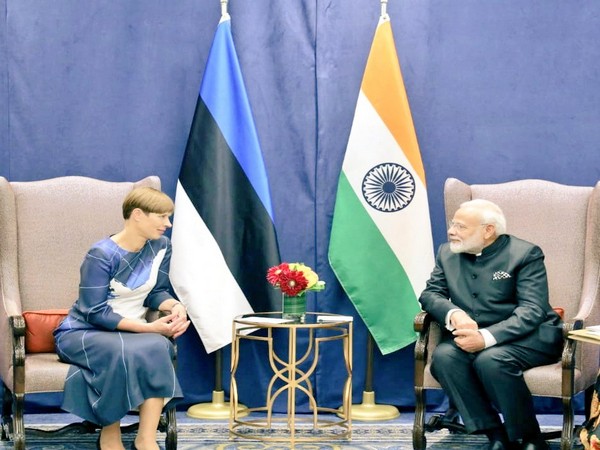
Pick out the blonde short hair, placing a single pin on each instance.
(149, 200)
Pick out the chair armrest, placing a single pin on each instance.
(422, 322)
(570, 345)
(567, 360)
(570, 325)
(422, 325)
(17, 327)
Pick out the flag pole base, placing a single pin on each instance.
(369, 411)
(217, 409)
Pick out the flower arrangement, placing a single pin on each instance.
(294, 279)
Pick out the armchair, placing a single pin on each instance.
(565, 222)
(46, 228)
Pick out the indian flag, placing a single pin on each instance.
(381, 248)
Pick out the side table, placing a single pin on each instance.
(289, 377)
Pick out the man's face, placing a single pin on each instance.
(466, 232)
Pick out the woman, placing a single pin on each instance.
(120, 361)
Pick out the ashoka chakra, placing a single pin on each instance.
(388, 187)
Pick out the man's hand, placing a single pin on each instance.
(469, 340)
(460, 320)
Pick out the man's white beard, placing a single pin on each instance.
(473, 244)
(456, 247)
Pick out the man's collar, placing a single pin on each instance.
(494, 246)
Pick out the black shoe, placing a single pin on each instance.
(538, 444)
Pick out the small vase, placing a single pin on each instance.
(294, 307)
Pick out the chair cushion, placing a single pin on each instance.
(39, 326)
(45, 373)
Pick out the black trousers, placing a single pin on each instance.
(491, 381)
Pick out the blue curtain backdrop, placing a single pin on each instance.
(499, 91)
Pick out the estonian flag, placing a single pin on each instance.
(223, 235)
(381, 248)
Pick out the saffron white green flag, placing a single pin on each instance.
(381, 248)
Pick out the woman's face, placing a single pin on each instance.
(153, 225)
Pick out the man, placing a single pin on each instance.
(489, 292)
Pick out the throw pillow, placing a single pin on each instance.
(39, 326)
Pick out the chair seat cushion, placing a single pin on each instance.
(544, 381)
(39, 326)
(45, 373)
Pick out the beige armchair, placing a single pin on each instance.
(565, 222)
(46, 227)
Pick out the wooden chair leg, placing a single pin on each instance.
(18, 426)
(171, 429)
(419, 440)
(566, 440)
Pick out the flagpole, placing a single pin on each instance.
(368, 410)
(218, 408)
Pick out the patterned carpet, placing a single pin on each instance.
(202, 434)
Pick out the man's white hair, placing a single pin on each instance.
(489, 212)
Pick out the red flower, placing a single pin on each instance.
(292, 282)
(274, 273)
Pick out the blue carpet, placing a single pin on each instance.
(205, 434)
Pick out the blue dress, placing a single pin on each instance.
(112, 372)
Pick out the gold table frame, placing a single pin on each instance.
(339, 425)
